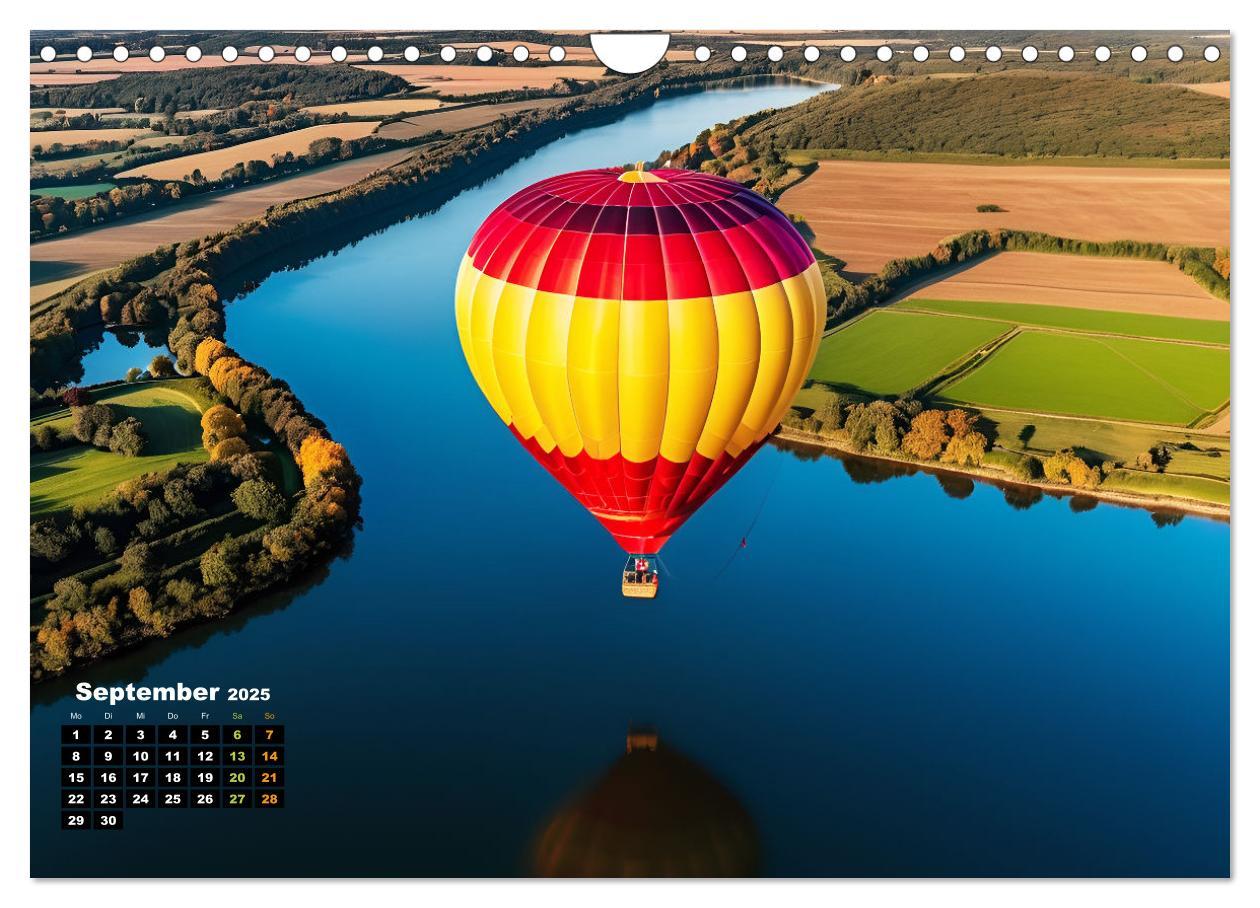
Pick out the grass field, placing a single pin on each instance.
(81, 191)
(867, 212)
(1102, 440)
(45, 138)
(890, 352)
(1079, 282)
(1164, 484)
(79, 474)
(1078, 319)
(1107, 378)
(213, 163)
(383, 107)
(460, 118)
(475, 79)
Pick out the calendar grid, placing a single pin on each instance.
(107, 770)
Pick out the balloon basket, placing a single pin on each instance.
(640, 578)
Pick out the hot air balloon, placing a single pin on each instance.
(654, 813)
(641, 333)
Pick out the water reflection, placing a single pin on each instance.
(956, 485)
(138, 663)
(872, 470)
(654, 813)
(101, 355)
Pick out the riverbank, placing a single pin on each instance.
(1003, 479)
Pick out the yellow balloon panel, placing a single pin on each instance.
(640, 378)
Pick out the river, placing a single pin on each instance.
(898, 674)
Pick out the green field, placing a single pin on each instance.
(1167, 484)
(889, 352)
(1075, 319)
(1108, 378)
(1102, 440)
(79, 474)
(78, 191)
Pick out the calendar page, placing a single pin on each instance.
(584, 453)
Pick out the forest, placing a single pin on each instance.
(220, 87)
(1017, 115)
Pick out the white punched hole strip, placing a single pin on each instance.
(702, 53)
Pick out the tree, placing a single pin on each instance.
(261, 500)
(137, 561)
(229, 448)
(50, 542)
(46, 437)
(76, 397)
(179, 497)
(92, 424)
(874, 425)
(965, 450)
(220, 423)
(927, 436)
(128, 438)
(106, 542)
(161, 366)
(830, 415)
(133, 374)
(141, 605)
(208, 351)
(1067, 468)
(221, 564)
(960, 422)
(320, 456)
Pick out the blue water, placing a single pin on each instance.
(116, 351)
(905, 677)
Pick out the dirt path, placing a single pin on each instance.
(104, 247)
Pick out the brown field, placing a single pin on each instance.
(79, 136)
(104, 247)
(385, 107)
(213, 163)
(458, 119)
(49, 80)
(179, 115)
(79, 111)
(867, 212)
(1080, 282)
(471, 79)
(1215, 89)
(1220, 426)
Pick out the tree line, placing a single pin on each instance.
(223, 86)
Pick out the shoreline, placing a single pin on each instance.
(999, 478)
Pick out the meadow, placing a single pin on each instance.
(213, 163)
(476, 79)
(459, 118)
(80, 474)
(1097, 321)
(1082, 282)
(82, 191)
(888, 352)
(381, 107)
(1101, 377)
(47, 137)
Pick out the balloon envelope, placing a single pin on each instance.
(641, 333)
